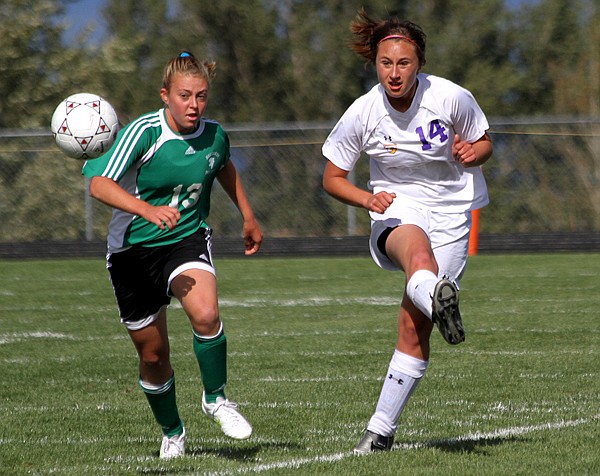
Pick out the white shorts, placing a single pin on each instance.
(448, 234)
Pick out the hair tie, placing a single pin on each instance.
(399, 37)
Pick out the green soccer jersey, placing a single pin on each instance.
(155, 164)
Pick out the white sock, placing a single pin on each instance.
(403, 375)
(420, 288)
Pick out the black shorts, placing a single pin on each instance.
(141, 276)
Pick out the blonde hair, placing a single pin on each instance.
(187, 64)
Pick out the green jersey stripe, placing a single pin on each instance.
(131, 136)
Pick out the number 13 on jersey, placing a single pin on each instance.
(194, 191)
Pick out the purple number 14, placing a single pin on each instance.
(435, 130)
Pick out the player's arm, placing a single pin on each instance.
(336, 184)
(109, 192)
(472, 154)
(232, 184)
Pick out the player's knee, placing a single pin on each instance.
(154, 359)
(205, 320)
(422, 259)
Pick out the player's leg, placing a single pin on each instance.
(405, 371)
(152, 345)
(408, 248)
(403, 244)
(430, 290)
(142, 300)
(191, 278)
(196, 289)
(426, 297)
(157, 381)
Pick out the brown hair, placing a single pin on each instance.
(187, 63)
(368, 33)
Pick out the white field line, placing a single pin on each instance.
(15, 337)
(470, 437)
(295, 463)
(12, 337)
(308, 301)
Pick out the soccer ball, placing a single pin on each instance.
(84, 126)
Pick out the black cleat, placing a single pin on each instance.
(371, 442)
(445, 312)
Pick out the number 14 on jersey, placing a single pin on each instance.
(435, 130)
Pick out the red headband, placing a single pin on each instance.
(399, 37)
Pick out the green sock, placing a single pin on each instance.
(211, 353)
(163, 403)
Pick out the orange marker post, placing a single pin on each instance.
(474, 237)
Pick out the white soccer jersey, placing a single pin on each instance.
(411, 152)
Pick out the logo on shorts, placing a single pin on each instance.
(204, 257)
(190, 151)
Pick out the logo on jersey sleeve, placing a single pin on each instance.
(211, 159)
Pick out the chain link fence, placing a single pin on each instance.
(544, 177)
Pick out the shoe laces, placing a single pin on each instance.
(229, 407)
(172, 444)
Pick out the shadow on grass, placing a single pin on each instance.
(240, 454)
(465, 444)
(246, 454)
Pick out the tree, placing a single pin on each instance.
(548, 58)
(33, 62)
(34, 69)
(326, 75)
(470, 43)
(141, 38)
(242, 37)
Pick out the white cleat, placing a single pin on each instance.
(226, 414)
(172, 447)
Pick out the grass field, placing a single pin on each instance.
(309, 344)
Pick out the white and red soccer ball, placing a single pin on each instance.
(84, 126)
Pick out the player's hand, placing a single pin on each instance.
(380, 202)
(164, 217)
(463, 152)
(253, 237)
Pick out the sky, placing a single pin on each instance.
(83, 12)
